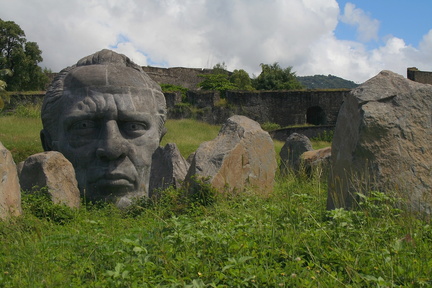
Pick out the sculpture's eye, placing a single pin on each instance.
(83, 127)
(134, 128)
(84, 124)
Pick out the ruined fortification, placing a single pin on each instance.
(286, 108)
(419, 76)
(185, 77)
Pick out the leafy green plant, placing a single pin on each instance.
(274, 77)
(39, 204)
(22, 57)
(218, 82)
(174, 88)
(28, 111)
(205, 239)
(326, 135)
(268, 126)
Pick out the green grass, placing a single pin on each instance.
(189, 134)
(20, 135)
(286, 239)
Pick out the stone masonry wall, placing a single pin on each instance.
(419, 76)
(185, 77)
(289, 107)
(285, 108)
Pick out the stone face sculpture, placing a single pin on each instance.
(106, 116)
(383, 142)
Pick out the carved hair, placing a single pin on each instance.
(55, 91)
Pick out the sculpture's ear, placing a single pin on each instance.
(46, 140)
(162, 133)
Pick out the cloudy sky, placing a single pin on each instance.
(351, 39)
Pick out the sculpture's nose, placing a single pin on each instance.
(112, 145)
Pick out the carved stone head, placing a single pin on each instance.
(106, 116)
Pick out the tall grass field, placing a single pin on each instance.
(287, 239)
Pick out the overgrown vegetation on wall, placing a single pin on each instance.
(272, 77)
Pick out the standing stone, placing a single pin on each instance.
(169, 168)
(10, 193)
(295, 145)
(241, 156)
(54, 171)
(383, 141)
(315, 159)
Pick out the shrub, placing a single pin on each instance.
(326, 136)
(171, 201)
(269, 126)
(39, 204)
(174, 88)
(28, 111)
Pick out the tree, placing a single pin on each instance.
(3, 84)
(222, 80)
(217, 80)
(240, 79)
(21, 58)
(273, 77)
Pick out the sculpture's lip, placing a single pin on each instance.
(114, 180)
(116, 176)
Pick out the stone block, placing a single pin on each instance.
(54, 171)
(10, 193)
(241, 156)
(383, 142)
(169, 168)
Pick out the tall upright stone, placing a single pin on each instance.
(295, 145)
(169, 168)
(241, 156)
(383, 141)
(10, 192)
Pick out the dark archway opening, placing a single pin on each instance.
(315, 115)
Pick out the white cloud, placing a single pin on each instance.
(367, 28)
(202, 33)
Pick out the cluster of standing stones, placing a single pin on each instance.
(103, 120)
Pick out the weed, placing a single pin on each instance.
(28, 111)
(268, 126)
(326, 136)
(203, 239)
(175, 88)
(39, 204)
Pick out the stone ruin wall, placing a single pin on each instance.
(185, 77)
(286, 108)
(281, 107)
(419, 76)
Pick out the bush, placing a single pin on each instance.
(268, 126)
(28, 111)
(174, 88)
(39, 204)
(172, 201)
(326, 136)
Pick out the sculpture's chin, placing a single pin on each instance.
(123, 202)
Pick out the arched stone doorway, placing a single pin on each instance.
(315, 115)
